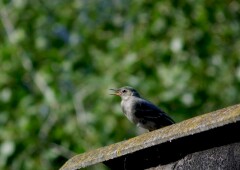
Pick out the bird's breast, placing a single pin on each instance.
(128, 110)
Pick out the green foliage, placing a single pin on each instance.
(59, 58)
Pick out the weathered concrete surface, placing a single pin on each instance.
(166, 145)
(219, 158)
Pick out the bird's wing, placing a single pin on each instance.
(148, 111)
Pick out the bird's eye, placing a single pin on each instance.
(124, 91)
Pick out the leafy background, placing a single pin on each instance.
(59, 58)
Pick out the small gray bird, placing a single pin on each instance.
(140, 111)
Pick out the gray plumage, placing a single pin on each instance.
(140, 111)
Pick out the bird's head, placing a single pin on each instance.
(125, 92)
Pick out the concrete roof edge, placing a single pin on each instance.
(188, 127)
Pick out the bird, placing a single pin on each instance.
(141, 112)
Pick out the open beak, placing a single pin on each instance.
(115, 92)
